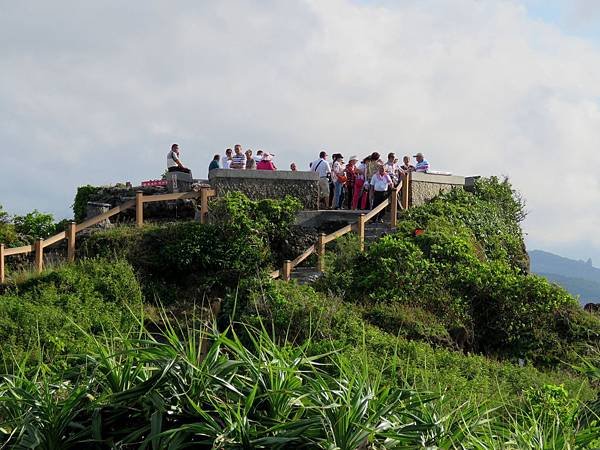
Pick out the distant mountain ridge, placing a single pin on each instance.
(580, 278)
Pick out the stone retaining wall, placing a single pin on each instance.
(425, 186)
(266, 184)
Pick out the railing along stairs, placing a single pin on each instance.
(285, 272)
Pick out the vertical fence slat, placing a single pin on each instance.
(203, 205)
(321, 253)
(139, 208)
(286, 270)
(1, 263)
(39, 255)
(361, 232)
(393, 208)
(71, 233)
(405, 189)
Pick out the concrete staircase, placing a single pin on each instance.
(373, 231)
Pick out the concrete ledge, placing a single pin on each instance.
(263, 175)
(438, 179)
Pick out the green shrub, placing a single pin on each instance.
(268, 219)
(493, 212)
(184, 255)
(35, 225)
(50, 313)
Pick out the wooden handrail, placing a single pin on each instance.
(54, 239)
(336, 234)
(107, 215)
(169, 197)
(377, 209)
(18, 250)
(69, 234)
(309, 251)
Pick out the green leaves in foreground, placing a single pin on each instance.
(186, 388)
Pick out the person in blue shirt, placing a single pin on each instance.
(422, 163)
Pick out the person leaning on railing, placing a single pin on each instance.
(381, 183)
(173, 162)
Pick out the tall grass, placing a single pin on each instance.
(188, 386)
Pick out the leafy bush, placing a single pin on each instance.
(493, 212)
(183, 254)
(35, 225)
(49, 314)
(269, 219)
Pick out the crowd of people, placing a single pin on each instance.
(356, 184)
(361, 184)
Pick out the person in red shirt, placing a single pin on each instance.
(266, 163)
(351, 174)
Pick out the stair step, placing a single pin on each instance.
(305, 275)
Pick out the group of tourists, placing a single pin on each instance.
(243, 160)
(356, 184)
(361, 184)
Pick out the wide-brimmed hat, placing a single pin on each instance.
(267, 156)
(353, 158)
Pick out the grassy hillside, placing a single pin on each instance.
(440, 340)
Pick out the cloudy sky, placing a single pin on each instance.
(95, 92)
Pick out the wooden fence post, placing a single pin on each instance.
(203, 205)
(71, 232)
(286, 270)
(405, 189)
(139, 208)
(1, 263)
(361, 232)
(393, 208)
(321, 253)
(39, 255)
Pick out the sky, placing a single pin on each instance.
(96, 92)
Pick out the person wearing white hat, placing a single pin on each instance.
(422, 163)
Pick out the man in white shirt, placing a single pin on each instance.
(380, 182)
(173, 162)
(391, 167)
(226, 160)
(322, 167)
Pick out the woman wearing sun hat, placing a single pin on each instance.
(266, 163)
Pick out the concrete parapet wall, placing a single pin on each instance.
(425, 186)
(264, 184)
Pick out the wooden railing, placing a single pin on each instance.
(70, 234)
(359, 227)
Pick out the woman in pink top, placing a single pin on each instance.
(266, 163)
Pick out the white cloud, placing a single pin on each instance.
(96, 92)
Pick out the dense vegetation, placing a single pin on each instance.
(25, 229)
(436, 340)
(464, 281)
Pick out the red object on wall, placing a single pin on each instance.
(154, 183)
